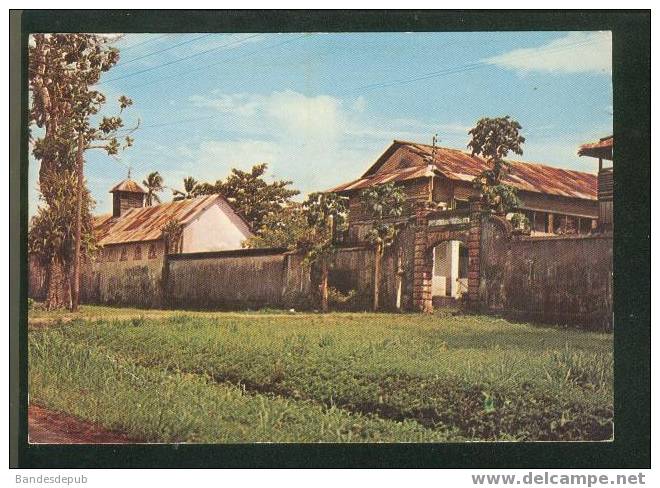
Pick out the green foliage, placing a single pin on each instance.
(325, 213)
(154, 185)
(172, 233)
(383, 203)
(520, 221)
(155, 404)
(459, 377)
(250, 195)
(191, 189)
(62, 71)
(52, 229)
(493, 139)
(282, 228)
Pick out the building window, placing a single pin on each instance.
(124, 254)
(585, 226)
(137, 255)
(572, 224)
(152, 251)
(461, 204)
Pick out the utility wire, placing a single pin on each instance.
(180, 75)
(188, 41)
(146, 41)
(461, 69)
(434, 74)
(129, 75)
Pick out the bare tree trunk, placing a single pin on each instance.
(324, 286)
(378, 253)
(77, 239)
(399, 280)
(57, 288)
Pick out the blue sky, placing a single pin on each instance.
(320, 108)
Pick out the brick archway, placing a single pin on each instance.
(433, 227)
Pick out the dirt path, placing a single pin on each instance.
(49, 427)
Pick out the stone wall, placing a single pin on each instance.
(135, 283)
(247, 278)
(562, 280)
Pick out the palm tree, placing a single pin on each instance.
(190, 187)
(154, 184)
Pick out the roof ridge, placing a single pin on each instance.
(466, 152)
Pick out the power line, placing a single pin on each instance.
(430, 75)
(146, 41)
(129, 75)
(464, 68)
(188, 41)
(179, 75)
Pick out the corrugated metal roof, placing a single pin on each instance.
(145, 223)
(382, 178)
(128, 185)
(462, 166)
(601, 149)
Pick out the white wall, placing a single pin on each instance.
(216, 228)
(445, 269)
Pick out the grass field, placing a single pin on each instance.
(275, 377)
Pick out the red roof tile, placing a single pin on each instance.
(145, 223)
(601, 149)
(462, 166)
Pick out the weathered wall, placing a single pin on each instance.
(565, 280)
(131, 282)
(230, 279)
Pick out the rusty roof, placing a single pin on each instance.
(463, 166)
(145, 223)
(382, 178)
(601, 149)
(128, 185)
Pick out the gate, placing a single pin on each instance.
(433, 227)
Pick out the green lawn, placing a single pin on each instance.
(277, 377)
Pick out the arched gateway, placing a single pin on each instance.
(433, 227)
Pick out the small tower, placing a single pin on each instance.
(125, 196)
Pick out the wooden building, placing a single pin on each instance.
(604, 151)
(556, 201)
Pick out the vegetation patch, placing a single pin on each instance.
(478, 378)
(157, 405)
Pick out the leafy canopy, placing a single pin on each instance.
(154, 185)
(251, 195)
(384, 203)
(191, 189)
(283, 228)
(326, 213)
(493, 139)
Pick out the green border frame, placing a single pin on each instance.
(631, 78)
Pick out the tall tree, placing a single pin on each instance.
(190, 189)
(493, 139)
(251, 195)
(62, 70)
(154, 185)
(384, 203)
(325, 212)
(52, 235)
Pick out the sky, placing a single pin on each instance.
(320, 108)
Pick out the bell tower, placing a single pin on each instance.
(125, 196)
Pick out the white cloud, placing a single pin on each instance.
(316, 141)
(577, 52)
